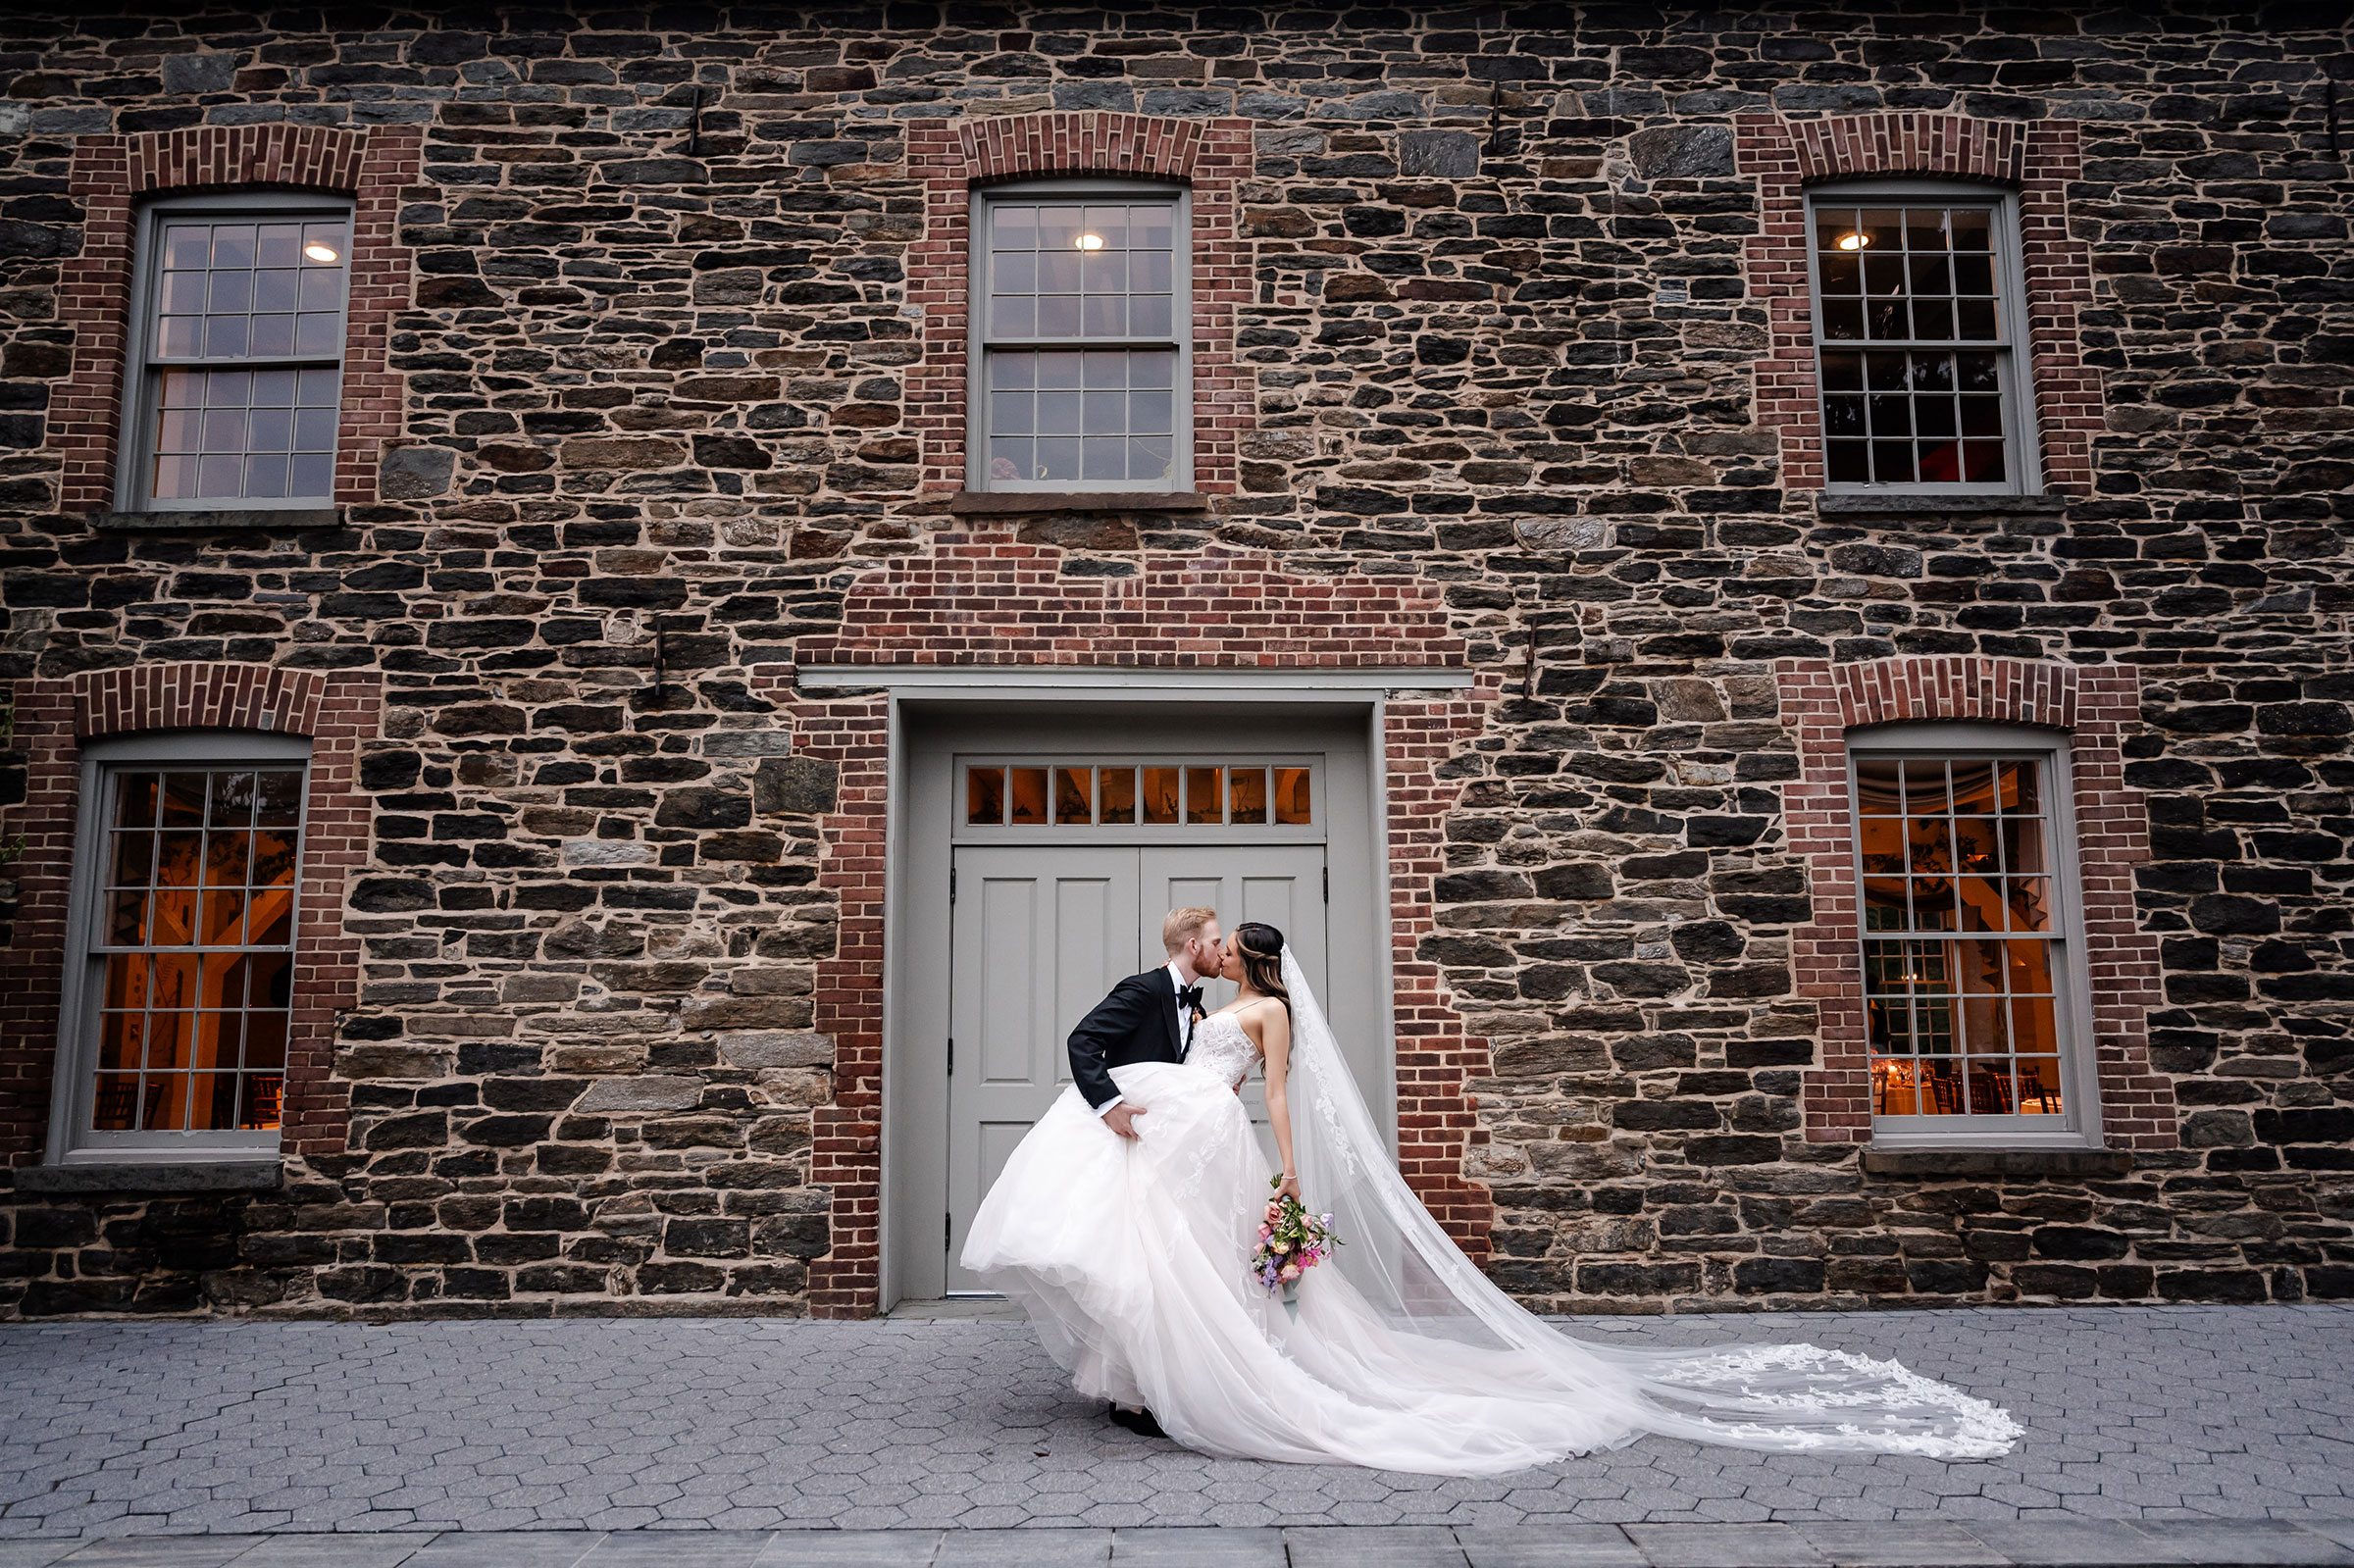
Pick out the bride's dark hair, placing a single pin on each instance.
(1261, 947)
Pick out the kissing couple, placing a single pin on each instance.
(1124, 1223)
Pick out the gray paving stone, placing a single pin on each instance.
(163, 1551)
(33, 1553)
(2234, 1540)
(1374, 1546)
(2340, 1531)
(1549, 1546)
(1186, 1546)
(2074, 1543)
(540, 1549)
(849, 1548)
(677, 1548)
(1024, 1548)
(1723, 1547)
(1899, 1543)
(335, 1551)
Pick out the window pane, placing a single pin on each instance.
(1073, 797)
(1115, 794)
(1291, 795)
(1204, 800)
(1161, 794)
(1027, 792)
(1247, 795)
(984, 796)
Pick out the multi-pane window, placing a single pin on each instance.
(1966, 937)
(184, 938)
(1081, 329)
(238, 354)
(1067, 794)
(1916, 328)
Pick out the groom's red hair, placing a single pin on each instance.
(1182, 926)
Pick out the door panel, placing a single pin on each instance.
(1037, 936)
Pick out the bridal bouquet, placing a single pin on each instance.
(1291, 1241)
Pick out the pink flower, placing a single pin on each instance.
(1265, 1230)
(1291, 1271)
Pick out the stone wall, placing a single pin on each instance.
(1501, 336)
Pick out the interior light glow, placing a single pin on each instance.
(318, 252)
(1091, 241)
(1854, 239)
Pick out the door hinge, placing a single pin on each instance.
(1328, 884)
(951, 885)
(952, 1056)
(948, 1232)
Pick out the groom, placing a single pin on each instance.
(1147, 1018)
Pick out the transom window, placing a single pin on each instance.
(184, 929)
(1080, 365)
(237, 370)
(1080, 795)
(1917, 324)
(1966, 948)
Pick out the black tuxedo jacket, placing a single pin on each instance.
(1136, 1022)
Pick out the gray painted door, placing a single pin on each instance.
(1038, 936)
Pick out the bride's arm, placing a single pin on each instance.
(1275, 1038)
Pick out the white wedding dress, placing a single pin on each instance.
(1129, 1259)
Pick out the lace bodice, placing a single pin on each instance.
(1221, 1047)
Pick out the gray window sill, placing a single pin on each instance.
(1898, 503)
(258, 1174)
(1934, 1162)
(985, 503)
(249, 516)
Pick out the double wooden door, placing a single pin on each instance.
(1038, 933)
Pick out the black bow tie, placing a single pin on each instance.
(1189, 997)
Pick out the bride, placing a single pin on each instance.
(1129, 1257)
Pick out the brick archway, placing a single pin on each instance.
(2037, 159)
(952, 157)
(989, 599)
(2093, 705)
(55, 716)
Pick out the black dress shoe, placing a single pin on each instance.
(1140, 1422)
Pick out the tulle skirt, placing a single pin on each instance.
(1130, 1259)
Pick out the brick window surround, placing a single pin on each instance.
(954, 157)
(2036, 159)
(2092, 706)
(112, 174)
(988, 597)
(54, 717)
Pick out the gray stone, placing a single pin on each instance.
(646, 1091)
(154, 1176)
(1203, 1546)
(1024, 1548)
(539, 1548)
(795, 785)
(2074, 1543)
(416, 473)
(677, 1548)
(1725, 1546)
(1549, 1545)
(776, 1047)
(206, 72)
(849, 1548)
(1444, 154)
(1562, 532)
(1374, 1546)
(1682, 152)
(748, 744)
(2246, 1541)
(389, 1550)
(165, 1552)
(1899, 1543)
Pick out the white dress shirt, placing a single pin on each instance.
(1177, 980)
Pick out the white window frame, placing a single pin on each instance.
(2022, 444)
(134, 462)
(71, 1139)
(2078, 1126)
(979, 343)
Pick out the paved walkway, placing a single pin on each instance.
(2147, 1414)
(2096, 1543)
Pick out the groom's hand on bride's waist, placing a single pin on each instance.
(1121, 1118)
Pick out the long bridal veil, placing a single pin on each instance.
(1399, 1310)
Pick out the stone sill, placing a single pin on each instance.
(986, 503)
(1864, 503)
(1935, 1162)
(248, 516)
(241, 1175)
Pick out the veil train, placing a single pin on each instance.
(1398, 1310)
